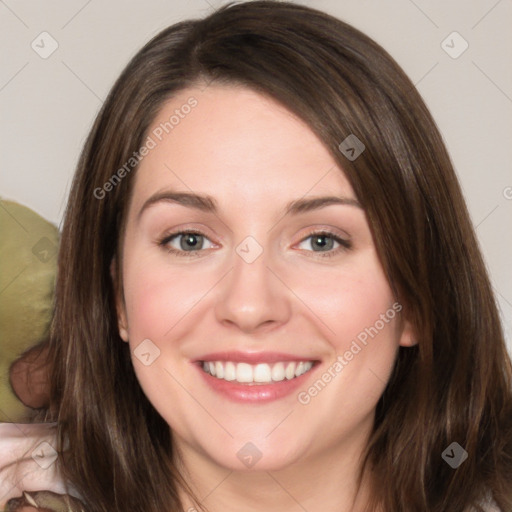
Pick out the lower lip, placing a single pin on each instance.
(257, 393)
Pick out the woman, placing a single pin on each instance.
(203, 356)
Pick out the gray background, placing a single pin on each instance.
(48, 104)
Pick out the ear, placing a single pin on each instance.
(408, 337)
(408, 332)
(121, 312)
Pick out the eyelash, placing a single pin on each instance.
(344, 244)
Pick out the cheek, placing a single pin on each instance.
(156, 298)
(350, 300)
(360, 321)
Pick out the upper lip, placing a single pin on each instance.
(253, 357)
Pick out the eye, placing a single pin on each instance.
(324, 241)
(189, 243)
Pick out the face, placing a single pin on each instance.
(248, 283)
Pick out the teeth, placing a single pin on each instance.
(244, 372)
(256, 374)
(278, 372)
(229, 371)
(262, 373)
(290, 371)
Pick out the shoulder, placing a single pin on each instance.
(28, 460)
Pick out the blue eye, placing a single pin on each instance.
(191, 243)
(325, 240)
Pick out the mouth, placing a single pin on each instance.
(256, 374)
(255, 378)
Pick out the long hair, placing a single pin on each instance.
(455, 385)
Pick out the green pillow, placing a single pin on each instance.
(28, 265)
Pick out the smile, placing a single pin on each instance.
(254, 374)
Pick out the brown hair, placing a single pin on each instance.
(455, 385)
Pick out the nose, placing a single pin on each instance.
(253, 297)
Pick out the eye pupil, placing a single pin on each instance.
(191, 240)
(321, 242)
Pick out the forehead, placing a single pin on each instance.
(238, 145)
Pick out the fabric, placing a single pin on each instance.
(28, 471)
(45, 500)
(28, 252)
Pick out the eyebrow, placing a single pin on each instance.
(208, 204)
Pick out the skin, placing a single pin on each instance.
(254, 156)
